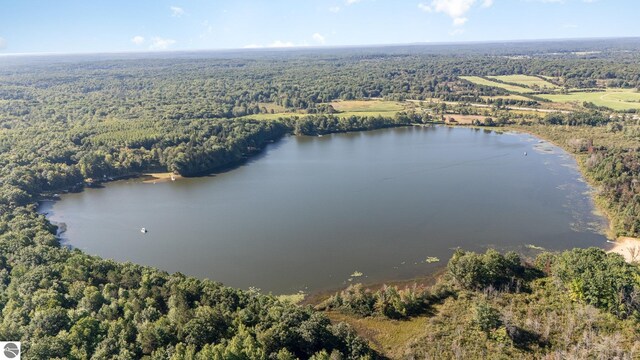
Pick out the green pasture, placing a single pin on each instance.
(346, 109)
(484, 82)
(525, 80)
(616, 99)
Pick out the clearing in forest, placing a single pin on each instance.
(526, 80)
(484, 82)
(368, 107)
(616, 99)
(507, 97)
(347, 108)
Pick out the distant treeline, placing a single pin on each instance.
(216, 87)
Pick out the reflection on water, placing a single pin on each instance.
(310, 212)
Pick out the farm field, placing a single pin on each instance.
(367, 106)
(484, 82)
(525, 80)
(506, 97)
(616, 99)
(347, 108)
(275, 116)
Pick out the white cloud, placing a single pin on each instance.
(208, 30)
(425, 7)
(281, 44)
(455, 9)
(253, 46)
(158, 43)
(176, 11)
(317, 37)
(3, 43)
(459, 21)
(351, 2)
(138, 40)
(334, 9)
(561, 1)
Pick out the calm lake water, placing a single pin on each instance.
(310, 211)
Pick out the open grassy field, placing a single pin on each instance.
(525, 80)
(388, 337)
(616, 99)
(271, 116)
(368, 106)
(480, 81)
(507, 97)
(347, 108)
(271, 106)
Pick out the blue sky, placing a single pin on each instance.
(72, 26)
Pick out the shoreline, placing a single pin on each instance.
(159, 177)
(628, 247)
(608, 232)
(313, 296)
(430, 278)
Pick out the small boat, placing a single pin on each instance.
(525, 153)
(143, 230)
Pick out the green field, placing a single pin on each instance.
(481, 81)
(368, 106)
(507, 97)
(617, 99)
(525, 80)
(347, 109)
(275, 116)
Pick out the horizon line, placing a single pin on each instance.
(316, 47)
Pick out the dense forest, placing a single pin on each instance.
(66, 122)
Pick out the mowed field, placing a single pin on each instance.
(616, 99)
(348, 108)
(507, 97)
(481, 81)
(526, 80)
(368, 107)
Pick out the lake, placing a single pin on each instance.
(308, 212)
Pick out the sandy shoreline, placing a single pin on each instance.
(152, 178)
(628, 247)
